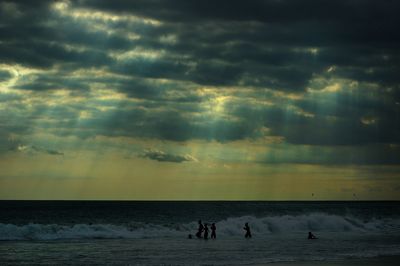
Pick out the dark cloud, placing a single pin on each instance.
(339, 122)
(162, 156)
(44, 54)
(164, 55)
(47, 151)
(4, 75)
(261, 43)
(374, 154)
(43, 82)
(30, 149)
(258, 10)
(9, 97)
(161, 124)
(150, 68)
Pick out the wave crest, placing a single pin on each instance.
(229, 227)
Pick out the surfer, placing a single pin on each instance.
(213, 229)
(311, 236)
(205, 231)
(199, 230)
(247, 229)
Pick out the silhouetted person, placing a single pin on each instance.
(247, 229)
(190, 236)
(213, 233)
(199, 230)
(205, 231)
(311, 236)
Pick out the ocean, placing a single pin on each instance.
(156, 232)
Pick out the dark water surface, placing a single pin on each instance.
(122, 212)
(155, 232)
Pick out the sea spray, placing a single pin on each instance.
(230, 227)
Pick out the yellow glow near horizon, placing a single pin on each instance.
(111, 178)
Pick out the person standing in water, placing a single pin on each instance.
(247, 229)
(205, 231)
(213, 229)
(199, 230)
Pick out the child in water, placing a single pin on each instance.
(311, 236)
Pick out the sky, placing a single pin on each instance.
(200, 100)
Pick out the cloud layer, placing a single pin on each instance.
(317, 74)
(162, 156)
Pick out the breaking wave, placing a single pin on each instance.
(230, 227)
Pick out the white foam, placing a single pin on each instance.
(316, 222)
(302, 223)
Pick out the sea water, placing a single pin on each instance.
(156, 232)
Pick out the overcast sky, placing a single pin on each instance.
(152, 99)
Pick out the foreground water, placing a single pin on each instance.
(154, 233)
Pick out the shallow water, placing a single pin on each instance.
(156, 233)
(233, 251)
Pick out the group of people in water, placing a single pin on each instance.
(202, 231)
(204, 228)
